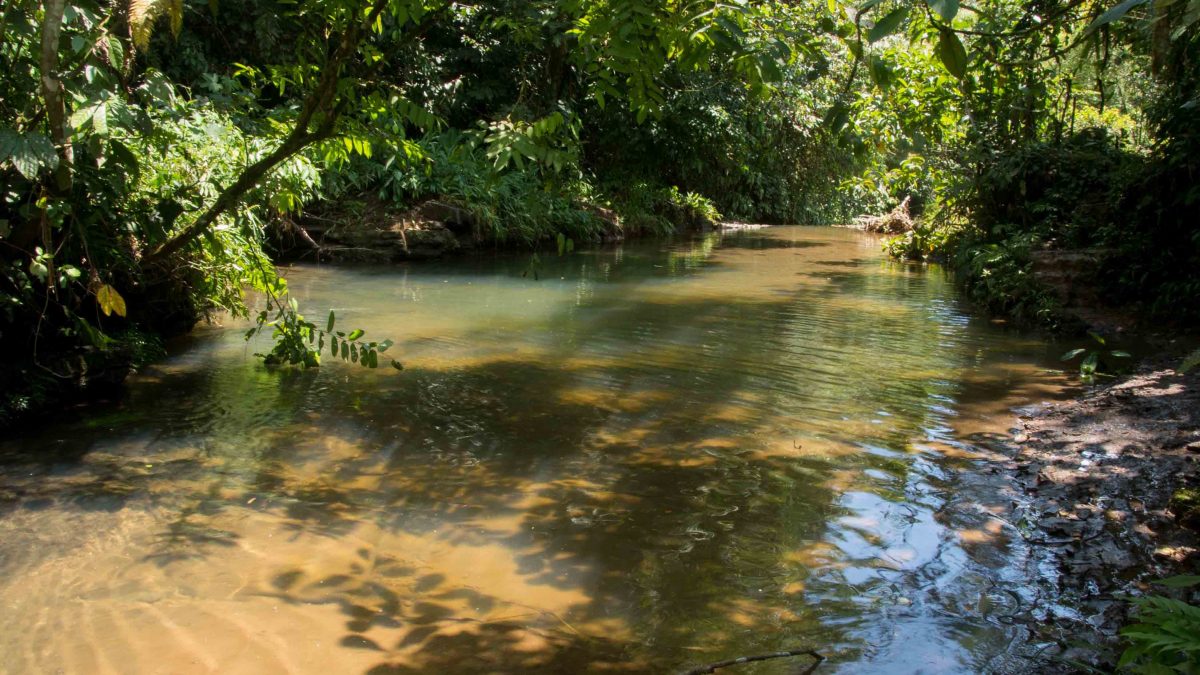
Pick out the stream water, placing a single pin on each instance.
(652, 457)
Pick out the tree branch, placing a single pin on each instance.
(321, 100)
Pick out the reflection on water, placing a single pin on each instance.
(657, 456)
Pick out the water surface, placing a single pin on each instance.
(651, 457)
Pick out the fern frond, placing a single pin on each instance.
(175, 13)
(141, 18)
(143, 14)
(1166, 637)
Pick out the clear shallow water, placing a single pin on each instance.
(654, 457)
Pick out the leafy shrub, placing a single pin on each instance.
(1066, 192)
(927, 240)
(688, 209)
(999, 277)
(1166, 637)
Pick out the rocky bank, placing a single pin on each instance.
(1105, 491)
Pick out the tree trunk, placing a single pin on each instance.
(52, 94)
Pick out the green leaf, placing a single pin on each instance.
(1072, 354)
(1112, 15)
(881, 72)
(1190, 361)
(9, 141)
(836, 117)
(329, 324)
(947, 9)
(125, 156)
(1180, 581)
(887, 25)
(116, 52)
(110, 301)
(29, 153)
(81, 118)
(953, 54)
(100, 119)
(38, 269)
(383, 346)
(397, 365)
(1120, 354)
(355, 334)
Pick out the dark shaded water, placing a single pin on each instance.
(656, 456)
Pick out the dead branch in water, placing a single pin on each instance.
(895, 221)
(712, 667)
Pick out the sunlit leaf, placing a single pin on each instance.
(110, 301)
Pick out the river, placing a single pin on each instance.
(650, 457)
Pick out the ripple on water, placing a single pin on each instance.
(656, 456)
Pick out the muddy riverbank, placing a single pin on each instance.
(1096, 487)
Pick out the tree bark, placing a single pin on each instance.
(52, 94)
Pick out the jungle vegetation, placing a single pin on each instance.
(150, 149)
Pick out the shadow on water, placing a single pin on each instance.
(758, 242)
(642, 480)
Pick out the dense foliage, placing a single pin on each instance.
(149, 148)
(1068, 127)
